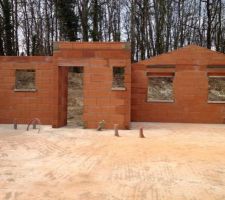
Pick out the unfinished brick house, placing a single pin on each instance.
(195, 87)
(185, 85)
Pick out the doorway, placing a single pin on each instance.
(75, 102)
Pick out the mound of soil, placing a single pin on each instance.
(160, 88)
(216, 89)
(75, 99)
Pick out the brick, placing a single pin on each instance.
(190, 88)
(49, 102)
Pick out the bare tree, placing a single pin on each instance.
(151, 26)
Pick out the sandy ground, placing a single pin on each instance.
(174, 162)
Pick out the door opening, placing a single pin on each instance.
(75, 97)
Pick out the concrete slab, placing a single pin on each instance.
(174, 161)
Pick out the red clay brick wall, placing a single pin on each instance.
(190, 88)
(24, 106)
(49, 102)
(100, 101)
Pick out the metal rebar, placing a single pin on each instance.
(116, 130)
(141, 133)
(15, 126)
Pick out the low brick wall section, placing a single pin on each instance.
(191, 67)
(24, 106)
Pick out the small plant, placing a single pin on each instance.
(101, 125)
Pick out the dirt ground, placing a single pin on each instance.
(173, 162)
